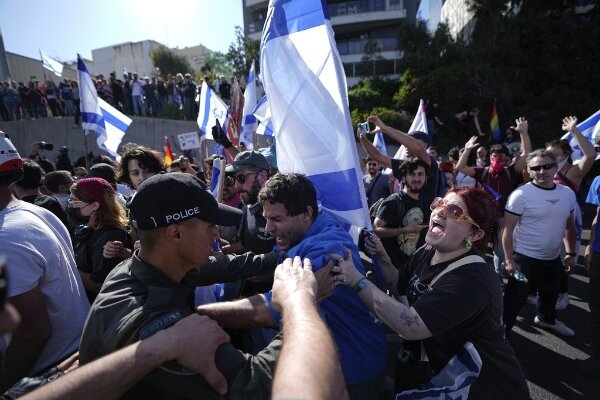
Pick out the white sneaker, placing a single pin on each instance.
(532, 299)
(563, 301)
(558, 327)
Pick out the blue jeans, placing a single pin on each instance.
(543, 274)
(138, 106)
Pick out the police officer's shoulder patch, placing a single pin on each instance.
(161, 322)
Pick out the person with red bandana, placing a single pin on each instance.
(500, 178)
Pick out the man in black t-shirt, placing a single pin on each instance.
(402, 217)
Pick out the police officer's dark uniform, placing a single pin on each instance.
(137, 300)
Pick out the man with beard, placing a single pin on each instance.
(376, 182)
(292, 217)
(402, 217)
(500, 178)
(251, 171)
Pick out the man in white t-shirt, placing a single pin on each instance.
(537, 217)
(45, 287)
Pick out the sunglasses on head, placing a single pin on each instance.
(453, 212)
(241, 178)
(374, 164)
(545, 167)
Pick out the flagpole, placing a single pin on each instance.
(85, 149)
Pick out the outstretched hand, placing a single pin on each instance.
(472, 143)
(569, 123)
(521, 125)
(193, 342)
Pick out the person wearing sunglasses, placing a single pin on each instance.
(376, 182)
(250, 170)
(571, 175)
(448, 294)
(538, 216)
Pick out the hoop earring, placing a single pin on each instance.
(468, 244)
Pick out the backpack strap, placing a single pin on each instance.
(456, 264)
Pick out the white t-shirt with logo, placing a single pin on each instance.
(543, 219)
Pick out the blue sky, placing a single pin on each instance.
(62, 28)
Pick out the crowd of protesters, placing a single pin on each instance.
(128, 249)
(173, 97)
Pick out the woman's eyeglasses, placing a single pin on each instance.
(545, 167)
(229, 181)
(453, 212)
(241, 178)
(74, 203)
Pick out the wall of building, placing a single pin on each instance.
(22, 68)
(147, 131)
(135, 57)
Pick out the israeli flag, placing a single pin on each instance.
(217, 179)
(211, 109)
(453, 381)
(379, 143)
(306, 87)
(249, 121)
(97, 115)
(51, 64)
(262, 113)
(590, 129)
(419, 124)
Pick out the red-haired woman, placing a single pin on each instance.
(452, 295)
(94, 205)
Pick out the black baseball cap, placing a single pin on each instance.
(248, 159)
(421, 136)
(166, 199)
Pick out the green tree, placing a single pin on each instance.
(217, 64)
(242, 52)
(169, 62)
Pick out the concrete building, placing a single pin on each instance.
(22, 68)
(133, 57)
(196, 56)
(365, 32)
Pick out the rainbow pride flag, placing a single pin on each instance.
(495, 126)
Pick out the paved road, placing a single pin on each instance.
(549, 360)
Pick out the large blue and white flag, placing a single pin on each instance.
(419, 124)
(51, 64)
(305, 83)
(453, 381)
(97, 115)
(590, 128)
(249, 121)
(211, 109)
(262, 113)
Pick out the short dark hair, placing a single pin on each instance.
(295, 191)
(149, 159)
(564, 145)
(410, 165)
(499, 149)
(54, 179)
(32, 175)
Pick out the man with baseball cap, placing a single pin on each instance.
(251, 171)
(45, 289)
(148, 293)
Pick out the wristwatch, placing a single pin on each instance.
(360, 285)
